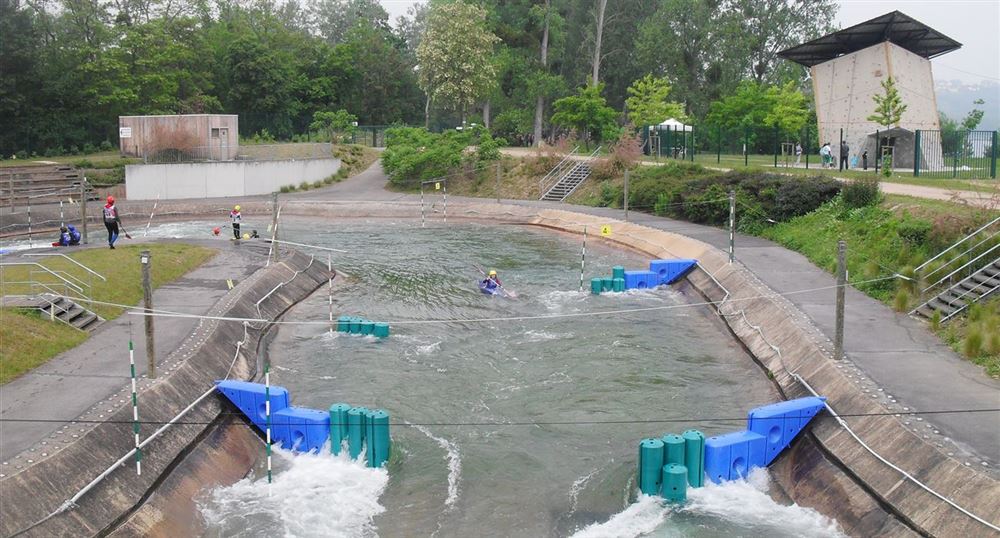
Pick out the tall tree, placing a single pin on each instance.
(544, 60)
(587, 112)
(596, 62)
(648, 104)
(455, 56)
(335, 18)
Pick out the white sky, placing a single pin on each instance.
(973, 23)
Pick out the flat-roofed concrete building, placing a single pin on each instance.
(848, 67)
(185, 136)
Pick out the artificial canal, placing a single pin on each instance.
(511, 427)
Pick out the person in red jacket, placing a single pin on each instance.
(111, 221)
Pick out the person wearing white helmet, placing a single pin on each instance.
(235, 216)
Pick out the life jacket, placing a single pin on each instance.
(490, 283)
(110, 213)
(74, 235)
(64, 239)
(236, 216)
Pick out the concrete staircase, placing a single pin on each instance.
(971, 289)
(576, 173)
(59, 308)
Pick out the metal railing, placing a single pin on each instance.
(44, 269)
(557, 172)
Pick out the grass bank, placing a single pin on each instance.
(353, 160)
(28, 340)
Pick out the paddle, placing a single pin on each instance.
(506, 292)
(127, 236)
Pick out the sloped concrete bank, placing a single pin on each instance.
(833, 472)
(215, 349)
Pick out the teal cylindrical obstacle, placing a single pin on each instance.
(381, 330)
(355, 431)
(377, 434)
(338, 425)
(673, 446)
(618, 284)
(367, 327)
(356, 325)
(596, 285)
(674, 482)
(650, 463)
(694, 457)
(618, 272)
(344, 324)
(607, 284)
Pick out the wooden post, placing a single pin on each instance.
(83, 210)
(625, 202)
(274, 226)
(838, 341)
(145, 259)
(732, 226)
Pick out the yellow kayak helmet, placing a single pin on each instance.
(493, 272)
(237, 208)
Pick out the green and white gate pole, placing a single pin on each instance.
(135, 404)
(267, 418)
(329, 269)
(583, 256)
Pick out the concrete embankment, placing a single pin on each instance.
(216, 350)
(873, 497)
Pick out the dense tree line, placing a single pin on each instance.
(68, 68)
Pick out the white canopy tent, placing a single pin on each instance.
(674, 125)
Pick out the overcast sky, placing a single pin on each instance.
(973, 23)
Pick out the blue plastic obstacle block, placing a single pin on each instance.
(779, 423)
(731, 456)
(639, 280)
(301, 428)
(670, 271)
(251, 398)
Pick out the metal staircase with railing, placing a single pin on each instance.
(57, 307)
(963, 274)
(562, 180)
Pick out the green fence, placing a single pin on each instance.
(955, 154)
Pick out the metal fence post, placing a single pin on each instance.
(993, 156)
(878, 150)
(777, 137)
(718, 145)
(916, 153)
(746, 146)
(840, 152)
(694, 147)
(83, 210)
(805, 146)
(732, 226)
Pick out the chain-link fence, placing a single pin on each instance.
(955, 154)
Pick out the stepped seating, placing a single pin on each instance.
(60, 308)
(20, 185)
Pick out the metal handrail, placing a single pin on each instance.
(85, 268)
(568, 156)
(966, 251)
(70, 276)
(959, 242)
(966, 305)
(552, 178)
(586, 162)
(46, 269)
(970, 262)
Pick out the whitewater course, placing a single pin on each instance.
(510, 416)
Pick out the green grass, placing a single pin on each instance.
(120, 267)
(27, 340)
(100, 159)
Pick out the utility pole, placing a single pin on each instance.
(274, 225)
(732, 226)
(146, 259)
(83, 210)
(838, 339)
(626, 196)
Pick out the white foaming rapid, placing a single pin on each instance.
(454, 465)
(743, 503)
(319, 495)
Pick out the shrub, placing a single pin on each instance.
(89, 148)
(902, 301)
(973, 345)
(83, 163)
(287, 188)
(993, 344)
(21, 154)
(887, 166)
(317, 184)
(489, 148)
(861, 193)
(106, 145)
(936, 320)
(304, 186)
(73, 150)
(414, 154)
(914, 231)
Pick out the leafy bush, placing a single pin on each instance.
(106, 145)
(862, 193)
(89, 148)
(287, 188)
(914, 231)
(413, 154)
(21, 154)
(489, 147)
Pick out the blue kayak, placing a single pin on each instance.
(485, 288)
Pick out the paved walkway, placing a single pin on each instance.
(74, 381)
(896, 351)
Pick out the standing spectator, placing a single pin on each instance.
(798, 153)
(111, 221)
(236, 217)
(826, 155)
(864, 159)
(845, 150)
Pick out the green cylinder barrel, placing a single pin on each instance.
(356, 325)
(673, 446)
(694, 457)
(381, 330)
(674, 482)
(596, 285)
(377, 434)
(338, 425)
(344, 324)
(650, 464)
(355, 431)
(618, 272)
(367, 327)
(607, 284)
(618, 284)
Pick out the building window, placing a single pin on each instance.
(215, 133)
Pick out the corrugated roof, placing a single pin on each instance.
(895, 27)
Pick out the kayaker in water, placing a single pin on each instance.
(492, 281)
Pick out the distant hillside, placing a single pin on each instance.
(955, 99)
